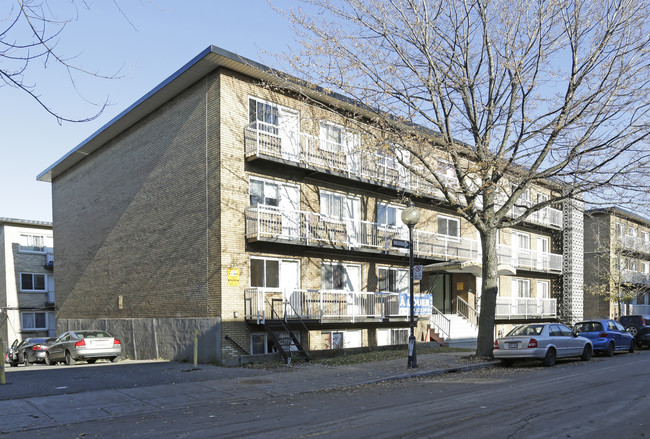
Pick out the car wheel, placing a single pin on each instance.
(13, 363)
(68, 359)
(586, 353)
(632, 330)
(114, 359)
(632, 346)
(506, 362)
(610, 349)
(26, 361)
(48, 359)
(549, 358)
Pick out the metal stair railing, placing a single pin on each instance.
(278, 324)
(467, 311)
(441, 323)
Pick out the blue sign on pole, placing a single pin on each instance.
(423, 305)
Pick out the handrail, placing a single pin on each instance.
(442, 324)
(466, 310)
(265, 139)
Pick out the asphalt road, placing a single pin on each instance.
(603, 398)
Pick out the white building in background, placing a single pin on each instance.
(26, 280)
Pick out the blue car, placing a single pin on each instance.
(607, 336)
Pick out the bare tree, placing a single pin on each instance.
(513, 93)
(30, 32)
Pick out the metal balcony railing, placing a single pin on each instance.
(268, 303)
(262, 139)
(635, 277)
(525, 307)
(634, 243)
(313, 229)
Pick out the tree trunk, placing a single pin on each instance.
(489, 293)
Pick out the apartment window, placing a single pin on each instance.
(449, 227)
(264, 193)
(446, 169)
(632, 231)
(264, 114)
(645, 267)
(32, 282)
(521, 287)
(31, 243)
(389, 216)
(332, 205)
(265, 273)
(393, 280)
(345, 277)
(521, 240)
(332, 137)
(259, 344)
(542, 198)
(645, 236)
(633, 265)
(31, 321)
(620, 230)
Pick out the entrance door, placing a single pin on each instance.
(289, 134)
(441, 290)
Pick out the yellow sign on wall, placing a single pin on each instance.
(233, 277)
(460, 286)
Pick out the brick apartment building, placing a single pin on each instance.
(617, 263)
(26, 280)
(223, 203)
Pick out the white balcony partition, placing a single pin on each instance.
(525, 307)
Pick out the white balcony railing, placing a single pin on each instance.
(635, 277)
(632, 309)
(310, 228)
(525, 307)
(274, 303)
(634, 243)
(263, 139)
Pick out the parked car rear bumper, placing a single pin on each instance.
(85, 354)
(537, 353)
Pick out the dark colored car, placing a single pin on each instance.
(32, 350)
(12, 359)
(607, 336)
(639, 327)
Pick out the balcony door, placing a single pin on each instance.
(282, 200)
(289, 130)
(290, 284)
(346, 210)
(542, 253)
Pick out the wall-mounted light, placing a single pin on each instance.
(236, 314)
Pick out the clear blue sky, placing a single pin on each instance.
(167, 35)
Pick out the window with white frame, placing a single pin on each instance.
(620, 230)
(264, 114)
(521, 240)
(633, 265)
(393, 280)
(31, 243)
(32, 321)
(332, 205)
(33, 282)
(265, 272)
(345, 277)
(448, 227)
(521, 287)
(645, 267)
(632, 231)
(389, 215)
(332, 137)
(645, 236)
(264, 192)
(541, 198)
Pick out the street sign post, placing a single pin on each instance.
(400, 243)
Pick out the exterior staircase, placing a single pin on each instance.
(461, 333)
(285, 341)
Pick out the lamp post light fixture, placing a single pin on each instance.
(410, 217)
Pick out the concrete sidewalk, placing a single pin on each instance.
(234, 384)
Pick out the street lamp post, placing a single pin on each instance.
(410, 217)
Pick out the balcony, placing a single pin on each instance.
(634, 243)
(330, 306)
(263, 140)
(508, 308)
(635, 277)
(272, 224)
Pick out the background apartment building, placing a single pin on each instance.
(26, 280)
(617, 263)
(223, 203)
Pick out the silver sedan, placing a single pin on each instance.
(542, 341)
(89, 345)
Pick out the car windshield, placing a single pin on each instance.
(526, 330)
(589, 327)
